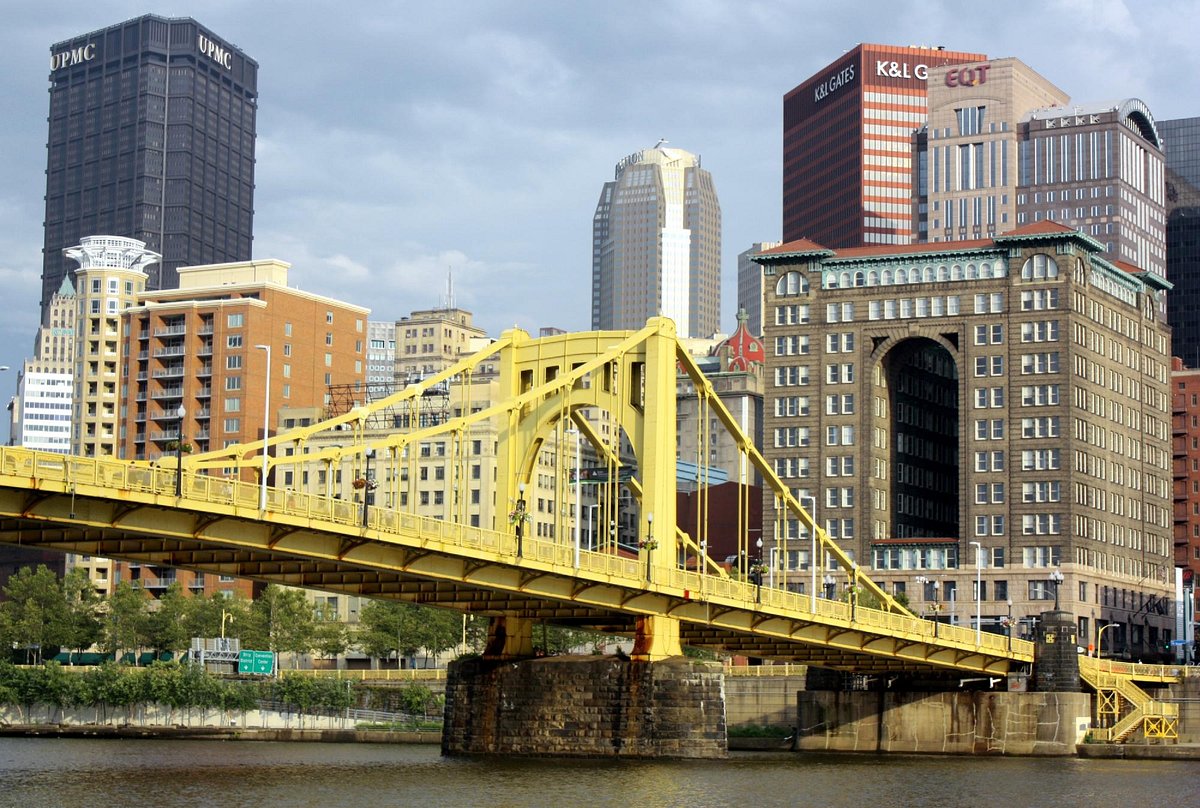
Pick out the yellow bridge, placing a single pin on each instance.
(668, 595)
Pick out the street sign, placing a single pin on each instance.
(256, 662)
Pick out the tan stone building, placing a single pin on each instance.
(1006, 395)
(431, 340)
(967, 154)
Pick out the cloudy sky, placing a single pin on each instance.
(399, 140)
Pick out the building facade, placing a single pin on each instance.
(847, 156)
(45, 389)
(199, 349)
(151, 136)
(431, 340)
(111, 275)
(1181, 139)
(1003, 147)
(1185, 400)
(381, 353)
(656, 245)
(1001, 399)
(967, 155)
(750, 285)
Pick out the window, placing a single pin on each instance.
(287, 329)
(989, 461)
(234, 320)
(839, 435)
(791, 283)
(233, 405)
(232, 425)
(233, 382)
(329, 338)
(329, 317)
(1039, 267)
(1040, 459)
(233, 361)
(233, 341)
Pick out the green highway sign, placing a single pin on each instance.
(260, 662)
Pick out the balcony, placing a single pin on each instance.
(170, 350)
(171, 331)
(205, 328)
(165, 435)
(167, 392)
(172, 372)
(204, 412)
(204, 392)
(205, 370)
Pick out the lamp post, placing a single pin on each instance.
(978, 591)
(1010, 624)
(368, 484)
(649, 542)
(520, 517)
(182, 411)
(812, 559)
(262, 489)
(1100, 643)
(1056, 578)
(830, 582)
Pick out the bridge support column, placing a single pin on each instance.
(1056, 654)
(585, 706)
(509, 637)
(656, 638)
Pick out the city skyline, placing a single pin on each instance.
(386, 150)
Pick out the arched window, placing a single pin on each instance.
(943, 273)
(887, 277)
(956, 273)
(927, 275)
(873, 278)
(860, 279)
(844, 280)
(790, 284)
(901, 276)
(972, 272)
(1039, 267)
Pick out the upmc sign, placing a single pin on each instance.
(73, 56)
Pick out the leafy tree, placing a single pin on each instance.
(37, 610)
(164, 621)
(281, 620)
(125, 622)
(386, 628)
(82, 627)
(330, 636)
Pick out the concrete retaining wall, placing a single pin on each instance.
(964, 723)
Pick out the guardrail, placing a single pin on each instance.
(385, 675)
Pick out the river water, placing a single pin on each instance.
(36, 772)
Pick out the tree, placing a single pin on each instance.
(37, 611)
(387, 627)
(166, 629)
(82, 628)
(281, 620)
(330, 637)
(124, 624)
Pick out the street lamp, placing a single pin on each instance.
(1056, 578)
(830, 582)
(1010, 624)
(592, 543)
(179, 413)
(1100, 643)
(262, 493)
(368, 484)
(978, 591)
(520, 516)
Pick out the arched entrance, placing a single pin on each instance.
(920, 381)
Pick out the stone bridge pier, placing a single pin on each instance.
(510, 702)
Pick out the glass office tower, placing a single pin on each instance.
(151, 136)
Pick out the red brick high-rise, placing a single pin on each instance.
(847, 145)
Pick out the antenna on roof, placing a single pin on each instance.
(448, 302)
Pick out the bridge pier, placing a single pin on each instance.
(1056, 654)
(585, 706)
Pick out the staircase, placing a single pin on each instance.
(1116, 693)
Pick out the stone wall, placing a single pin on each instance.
(585, 706)
(965, 723)
(762, 701)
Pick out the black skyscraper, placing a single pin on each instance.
(117, 96)
(1182, 147)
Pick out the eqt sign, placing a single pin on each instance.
(967, 76)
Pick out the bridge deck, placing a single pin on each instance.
(117, 509)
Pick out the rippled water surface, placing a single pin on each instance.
(38, 772)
